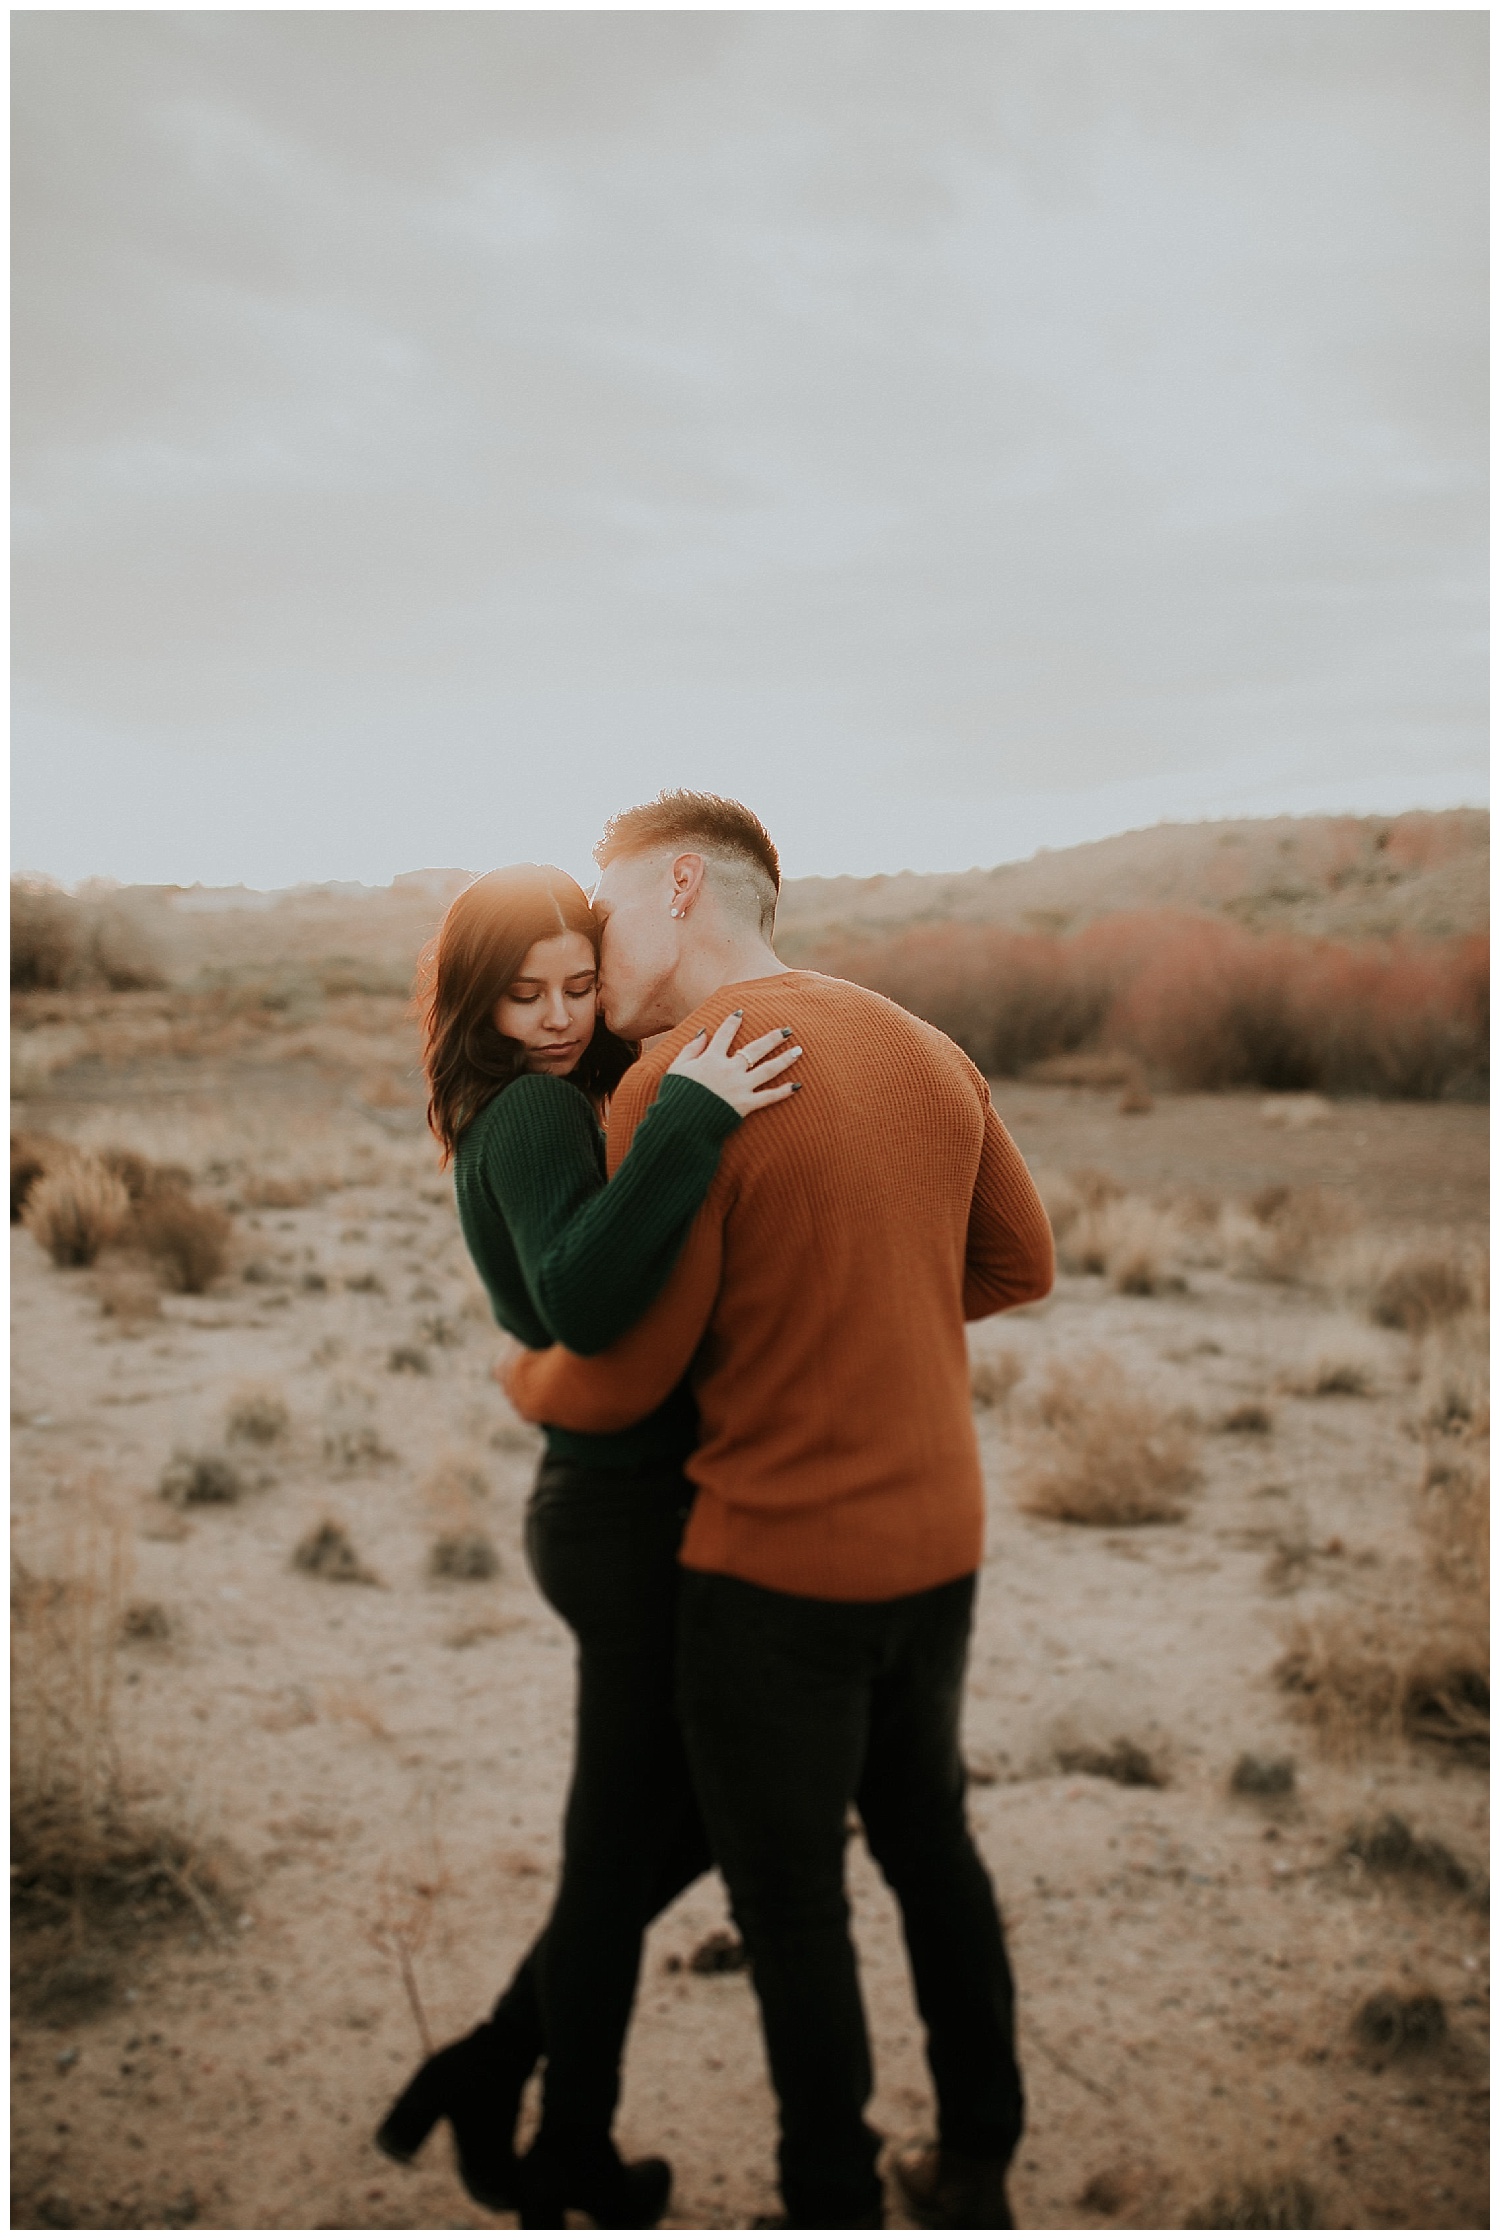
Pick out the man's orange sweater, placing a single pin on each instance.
(820, 1300)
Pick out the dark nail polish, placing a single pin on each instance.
(786, 1034)
(796, 1085)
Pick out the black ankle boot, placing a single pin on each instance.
(617, 2196)
(477, 2084)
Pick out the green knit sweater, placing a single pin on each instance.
(569, 1259)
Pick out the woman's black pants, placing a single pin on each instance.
(602, 1544)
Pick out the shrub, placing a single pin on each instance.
(994, 1377)
(1391, 1847)
(1422, 1289)
(90, 1875)
(1332, 1375)
(31, 1156)
(141, 1176)
(75, 1210)
(1454, 1515)
(145, 1621)
(191, 1480)
(58, 940)
(188, 1241)
(1280, 2203)
(1124, 1762)
(351, 1438)
(1400, 2026)
(327, 1552)
(1358, 1680)
(462, 1555)
(1251, 1417)
(128, 1296)
(1293, 1234)
(1207, 1004)
(1262, 1777)
(1104, 1455)
(258, 1415)
(44, 935)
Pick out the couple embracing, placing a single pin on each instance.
(740, 1267)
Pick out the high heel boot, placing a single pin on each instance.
(477, 2084)
(617, 2196)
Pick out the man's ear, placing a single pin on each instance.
(688, 875)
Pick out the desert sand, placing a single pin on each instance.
(360, 1766)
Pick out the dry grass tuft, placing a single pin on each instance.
(1454, 1515)
(199, 1480)
(1453, 1379)
(74, 1210)
(142, 1177)
(1124, 1762)
(463, 1555)
(90, 1874)
(128, 1296)
(327, 1552)
(31, 1156)
(1104, 1455)
(993, 1377)
(145, 1621)
(1342, 1374)
(1263, 1777)
(1251, 1417)
(410, 1359)
(1391, 1847)
(282, 1193)
(1363, 1680)
(188, 1241)
(1400, 2026)
(351, 1437)
(453, 1485)
(257, 1416)
(1293, 1236)
(1102, 1230)
(1283, 2202)
(1421, 1290)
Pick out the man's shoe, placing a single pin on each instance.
(951, 2192)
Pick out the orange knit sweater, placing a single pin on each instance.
(820, 1300)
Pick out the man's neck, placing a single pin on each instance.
(720, 964)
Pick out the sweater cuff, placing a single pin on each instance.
(698, 1111)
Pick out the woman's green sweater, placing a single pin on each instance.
(570, 1258)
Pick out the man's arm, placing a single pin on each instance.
(1010, 1257)
(611, 1390)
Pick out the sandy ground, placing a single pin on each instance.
(366, 1754)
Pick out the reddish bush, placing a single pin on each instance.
(1202, 1003)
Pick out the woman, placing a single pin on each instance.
(519, 1065)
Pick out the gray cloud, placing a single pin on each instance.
(951, 432)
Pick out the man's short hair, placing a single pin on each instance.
(747, 869)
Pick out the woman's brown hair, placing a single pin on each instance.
(466, 969)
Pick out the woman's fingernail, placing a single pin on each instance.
(737, 1014)
(786, 1034)
(795, 1086)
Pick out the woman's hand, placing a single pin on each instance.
(742, 1078)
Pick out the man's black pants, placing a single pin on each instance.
(794, 1709)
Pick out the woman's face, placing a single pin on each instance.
(549, 1006)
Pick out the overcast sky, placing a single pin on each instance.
(951, 433)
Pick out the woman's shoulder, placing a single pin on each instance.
(532, 1104)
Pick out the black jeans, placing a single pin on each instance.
(793, 1709)
(603, 1546)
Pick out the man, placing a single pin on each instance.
(830, 1559)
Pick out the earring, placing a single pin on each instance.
(676, 913)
